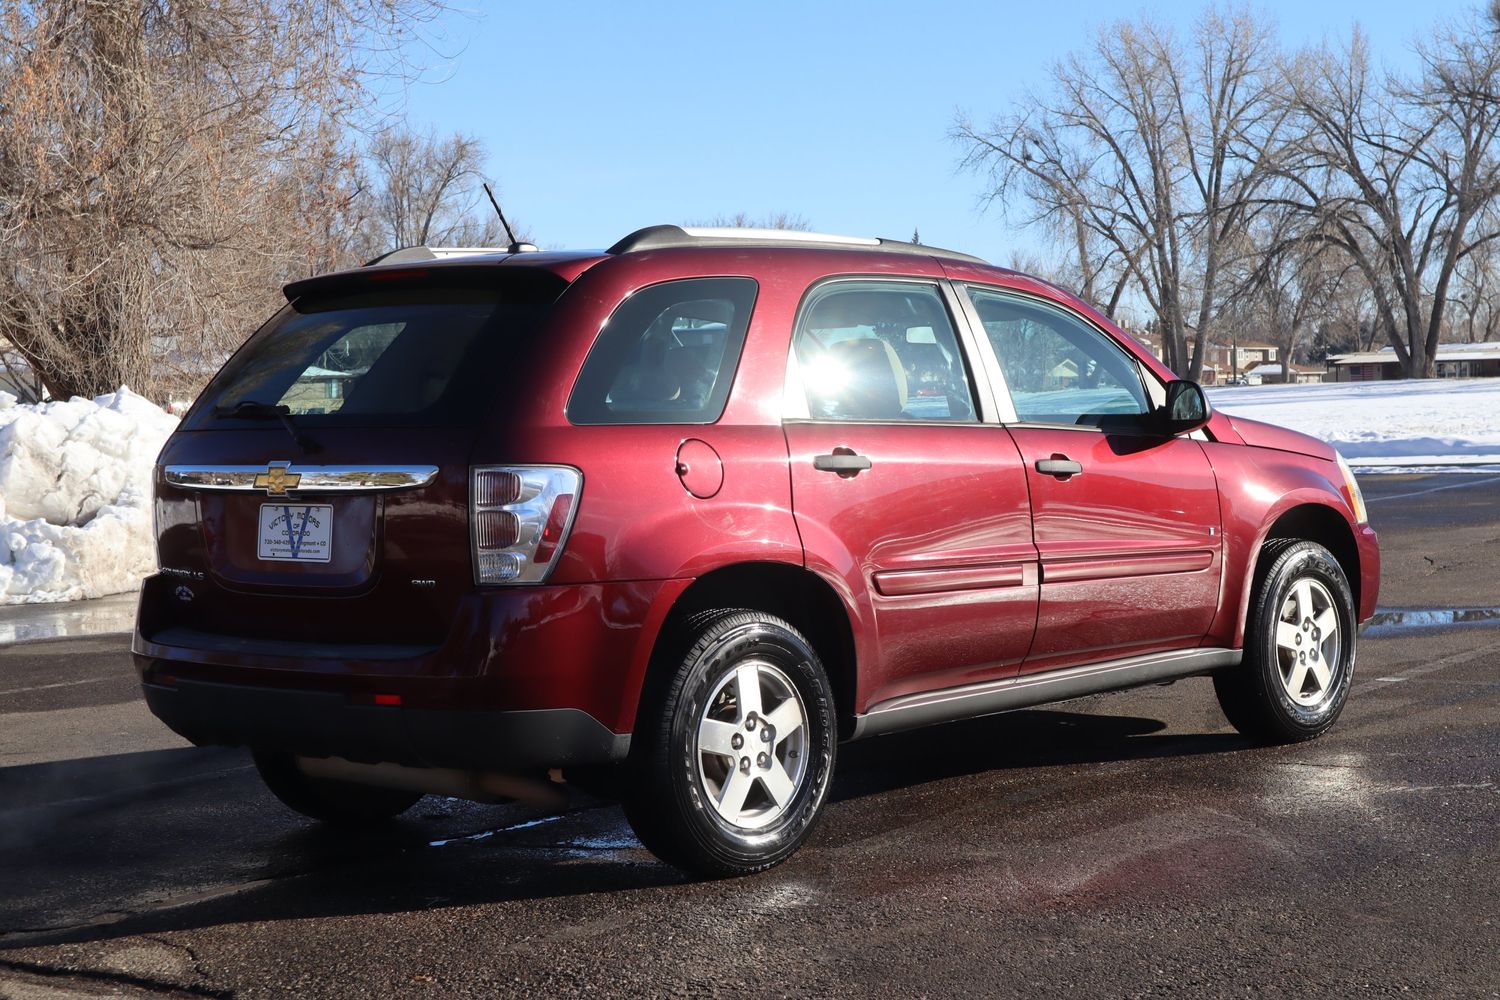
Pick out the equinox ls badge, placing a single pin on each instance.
(276, 480)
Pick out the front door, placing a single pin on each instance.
(1126, 519)
(903, 493)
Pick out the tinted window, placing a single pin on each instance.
(1059, 369)
(881, 350)
(390, 358)
(667, 355)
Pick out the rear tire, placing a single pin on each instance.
(1299, 647)
(340, 803)
(735, 749)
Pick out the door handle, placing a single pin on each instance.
(845, 464)
(1058, 467)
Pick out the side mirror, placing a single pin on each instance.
(1186, 408)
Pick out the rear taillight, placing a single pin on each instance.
(519, 519)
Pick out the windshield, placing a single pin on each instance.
(417, 357)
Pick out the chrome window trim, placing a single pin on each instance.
(313, 478)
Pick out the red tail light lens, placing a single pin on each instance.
(496, 487)
(496, 529)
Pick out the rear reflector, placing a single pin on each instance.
(387, 699)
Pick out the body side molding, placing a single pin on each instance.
(987, 698)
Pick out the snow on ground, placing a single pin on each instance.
(75, 496)
(1383, 426)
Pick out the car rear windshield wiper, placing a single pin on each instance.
(254, 409)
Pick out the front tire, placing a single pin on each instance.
(1299, 647)
(339, 803)
(734, 752)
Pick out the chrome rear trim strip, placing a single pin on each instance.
(300, 478)
(990, 697)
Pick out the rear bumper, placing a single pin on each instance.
(327, 724)
(583, 647)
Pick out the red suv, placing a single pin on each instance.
(692, 511)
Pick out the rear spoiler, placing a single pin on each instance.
(532, 284)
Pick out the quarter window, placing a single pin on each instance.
(1059, 369)
(667, 355)
(881, 350)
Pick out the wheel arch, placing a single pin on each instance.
(1311, 521)
(789, 591)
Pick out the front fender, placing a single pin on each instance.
(1257, 487)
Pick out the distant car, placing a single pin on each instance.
(1237, 380)
(679, 517)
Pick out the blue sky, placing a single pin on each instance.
(604, 117)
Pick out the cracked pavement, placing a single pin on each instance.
(1123, 845)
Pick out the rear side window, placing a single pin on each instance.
(390, 358)
(667, 355)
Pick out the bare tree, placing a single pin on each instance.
(1401, 174)
(771, 220)
(1148, 154)
(164, 165)
(1477, 281)
(426, 191)
(1287, 283)
(17, 377)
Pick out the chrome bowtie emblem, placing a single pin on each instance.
(276, 480)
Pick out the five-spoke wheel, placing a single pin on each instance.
(1307, 642)
(1299, 647)
(752, 744)
(735, 746)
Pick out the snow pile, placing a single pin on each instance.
(75, 496)
(1383, 426)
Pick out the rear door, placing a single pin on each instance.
(905, 489)
(1125, 519)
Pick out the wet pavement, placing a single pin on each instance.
(70, 619)
(1127, 845)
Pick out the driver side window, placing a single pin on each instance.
(1059, 369)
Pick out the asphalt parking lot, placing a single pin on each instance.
(1127, 845)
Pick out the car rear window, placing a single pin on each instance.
(667, 355)
(418, 356)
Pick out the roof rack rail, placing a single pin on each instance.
(414, 255)
(666, 237)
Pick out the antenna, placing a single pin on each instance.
(515, 246)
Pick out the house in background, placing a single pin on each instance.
(1247, 354)
(1271, 373)
(1453, 361)
(1224, 361)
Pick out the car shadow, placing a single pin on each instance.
(1014, 740)
(175, 840)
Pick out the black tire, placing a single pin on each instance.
(340, 803)
(1257, 696)
(670, 793)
